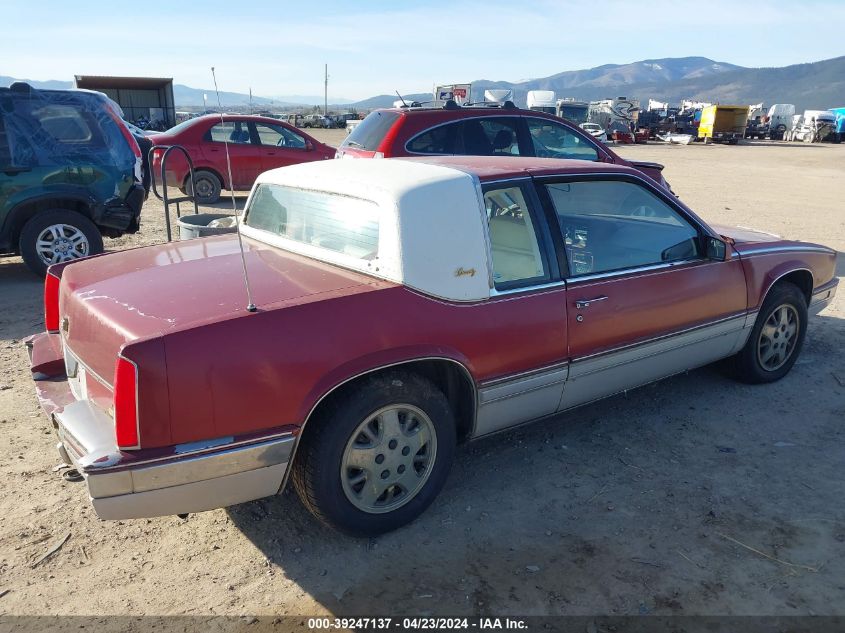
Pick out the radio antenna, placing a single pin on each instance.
(401, 99)
(250, 306)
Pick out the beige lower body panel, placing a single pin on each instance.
(607, 374)
(194, 497)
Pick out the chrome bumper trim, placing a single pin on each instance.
(823, 297)
(203, 480)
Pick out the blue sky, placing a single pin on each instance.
(279, 48)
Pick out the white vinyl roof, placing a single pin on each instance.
(432, 223)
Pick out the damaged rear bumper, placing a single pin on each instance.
(157, 482)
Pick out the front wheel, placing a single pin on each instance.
(776, 338)
(58, 235)
(377, 455)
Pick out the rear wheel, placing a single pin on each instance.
(58, 235)
(378, 454)
(776, 338)
(208, 186)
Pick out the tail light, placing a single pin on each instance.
(126, 404)
(136, 149)
(51, 303)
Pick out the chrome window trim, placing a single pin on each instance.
(611, 274)
(528, 373)
(560, 283)
(787, 248)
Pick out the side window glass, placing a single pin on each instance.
(553, 140)
(490, 137)
(517, 256)
(279, 136)
(229, 132)
(439, 140)
(613, 225)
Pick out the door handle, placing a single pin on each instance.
(585, 303)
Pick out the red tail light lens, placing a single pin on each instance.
(126, 403)
(51, 303)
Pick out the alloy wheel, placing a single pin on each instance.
(778, 337)
(61, 243)
(388, 458)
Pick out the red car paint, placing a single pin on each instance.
(209, 369)
(410, 122)
(248, 159)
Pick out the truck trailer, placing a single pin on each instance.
(723, 123)
(541, 101)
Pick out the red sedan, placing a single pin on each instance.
(398, 306)
(256, 144)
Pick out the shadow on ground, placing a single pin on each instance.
(647, 502)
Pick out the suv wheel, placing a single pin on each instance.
(58, 235)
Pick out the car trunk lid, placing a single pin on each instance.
(109, 301)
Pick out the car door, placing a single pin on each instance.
(244, 155)
(528, 308)
(280, 146)
(648, 294)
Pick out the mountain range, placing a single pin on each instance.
(813, 85)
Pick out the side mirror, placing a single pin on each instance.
(309, 146)
(716, 249)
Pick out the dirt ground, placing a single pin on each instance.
(696, 495)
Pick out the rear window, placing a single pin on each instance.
(369, 133)
(342, 224)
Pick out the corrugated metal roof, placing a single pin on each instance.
(93, 82)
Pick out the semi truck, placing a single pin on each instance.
(542, 101)
(723, 123)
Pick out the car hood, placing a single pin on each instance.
(115, 299)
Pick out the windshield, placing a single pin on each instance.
(338, 223)
(369, 133)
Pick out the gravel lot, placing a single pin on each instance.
(696, 495)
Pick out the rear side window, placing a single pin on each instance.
(476, 136)
(553, 140)
(64, 124)
(518, 258)
(229, 132)
(370, 132)
(440, 140)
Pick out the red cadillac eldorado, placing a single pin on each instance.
(402, 306)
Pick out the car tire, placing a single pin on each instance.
(64, 233)
(377, 455)
(208, 186)
(776, 338)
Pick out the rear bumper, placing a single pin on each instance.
(181, 479)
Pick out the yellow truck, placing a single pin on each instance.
(723, 123)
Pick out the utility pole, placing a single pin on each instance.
(326, 93)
